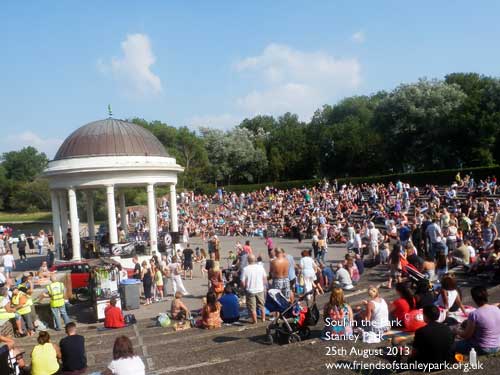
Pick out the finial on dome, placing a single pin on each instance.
(110, 112)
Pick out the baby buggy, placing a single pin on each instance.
(293, 320)
(414, 275)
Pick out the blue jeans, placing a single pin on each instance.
(40, 250)
(55, 313)
(436, 248)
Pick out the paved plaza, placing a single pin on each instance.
(234, 349)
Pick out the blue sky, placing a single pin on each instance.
(201, 63)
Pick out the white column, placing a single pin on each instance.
(90, 214)
(123, 213)
(174, 226)
(153, 231)
(75, 224)
(113, 234)
(56, 222)
(63, 206)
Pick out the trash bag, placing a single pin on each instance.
(164, 320)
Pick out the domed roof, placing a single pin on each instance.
(110, 137)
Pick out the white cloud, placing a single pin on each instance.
(134, 68)
(223, 121)
(296, 81)
(15, 142)
(358, 37)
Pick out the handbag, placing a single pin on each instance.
(312, 316)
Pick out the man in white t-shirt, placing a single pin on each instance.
(254, 281)
(9, 263)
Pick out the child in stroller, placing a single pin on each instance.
(293, 320)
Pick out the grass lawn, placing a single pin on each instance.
(10, 217)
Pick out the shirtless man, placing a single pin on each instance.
(278, 271)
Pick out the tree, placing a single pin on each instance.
(343, 138)
(246, 161)
(5, 187)
(216, 146)
(24, 165)
(191, 153)
(30, 196)
(414, 123)
(478, 120)
(289, 137)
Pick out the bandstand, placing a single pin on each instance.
(113, 155)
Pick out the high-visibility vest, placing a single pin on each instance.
(29, 302)
(4, 314)
(56, 293)
(26, 309)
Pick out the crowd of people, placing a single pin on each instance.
(399, 226)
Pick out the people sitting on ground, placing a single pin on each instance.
(461, 255)
(178, 310)
(43, 271)
(45, 356)
(125, 361)
(449, 297)
(482, 328)
(424, 294)
(351, 266)
(113, 316)
(343, 278)
(210, 313)
(402, 305)
(433, 343)
(230, 306)
(74, 358)
(374, 312)
(338, 316)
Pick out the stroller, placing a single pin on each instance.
(294, 319)
(414, 275)
(9, 364)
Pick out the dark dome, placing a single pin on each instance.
(110, 137)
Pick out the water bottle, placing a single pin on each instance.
(473, 358)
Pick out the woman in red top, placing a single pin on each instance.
(113, 317)
(401, 306)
